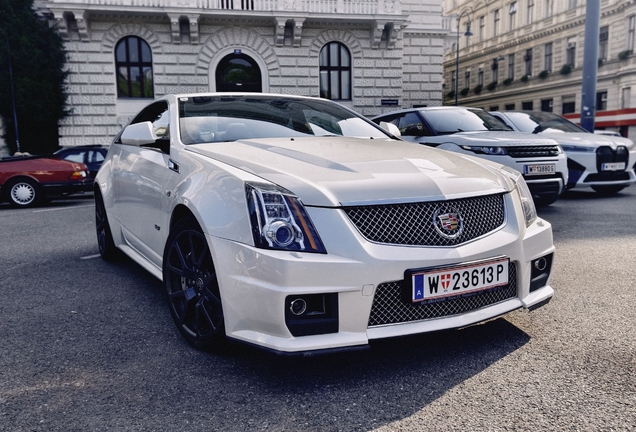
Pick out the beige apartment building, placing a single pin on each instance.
(370, 55)
(528, 55)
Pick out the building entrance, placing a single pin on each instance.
(238, 73)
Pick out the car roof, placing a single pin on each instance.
(432, 108)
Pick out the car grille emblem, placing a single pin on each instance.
(448, 222)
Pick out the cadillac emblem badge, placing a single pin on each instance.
(448, 222)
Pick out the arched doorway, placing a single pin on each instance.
(238, 72)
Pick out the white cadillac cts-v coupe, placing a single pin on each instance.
(296, 225)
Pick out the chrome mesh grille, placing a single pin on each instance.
(391, 304)
(532, 151)
(414, 224)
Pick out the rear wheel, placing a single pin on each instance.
(192, 286)
(608, 190)
(24, 193)
(107, 248)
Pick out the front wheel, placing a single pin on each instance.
(107, 249)
(608, 190)
(192, 286)
(24, 193)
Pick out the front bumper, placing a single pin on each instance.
(585, 170)
(256, 284)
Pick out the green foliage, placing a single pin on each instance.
(37, 59)
(544, 74)
(464, 91)
(478, 88)
(565, 69)
(525, 78)
(508, 81)
(450, 94)
(624, 54)
(492, 85)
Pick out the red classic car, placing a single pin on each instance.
(26, 181)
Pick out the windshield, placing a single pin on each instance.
(538, 122)
(230, 118)
(446, 121)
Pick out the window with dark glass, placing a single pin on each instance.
(570, 52)
(568, 105)
(527, 106)
(510, 107)
(528, 59)
(495, 70)
(546, 105)
(601, 101)
(467, 79)
(133, 63)
(495, 28)
(603, 37)
(511, 66)
(548, 57)
(335, 72)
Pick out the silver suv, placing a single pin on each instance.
(473, 131)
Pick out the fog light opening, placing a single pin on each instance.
(298, 306)
(541, 264)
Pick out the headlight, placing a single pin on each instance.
(487, 150)
(527, 204)
(580, 149)
(279, 220)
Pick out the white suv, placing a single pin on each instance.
(474, 132)
(604, 163)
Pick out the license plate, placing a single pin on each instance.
(613, 166)
(540, 169)
(450, 281)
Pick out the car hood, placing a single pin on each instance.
(333, 171)
(491, 138)
(584, 139)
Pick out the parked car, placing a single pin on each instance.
(90, 155)
(473, 131)
(606, 132)
(296, 225)
(604, 163)
(27, 181)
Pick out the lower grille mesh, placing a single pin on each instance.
(390, 308)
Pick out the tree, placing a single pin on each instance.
(37, 58)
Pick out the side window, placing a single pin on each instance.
(74, 157)
(158, 115)
(410, 124)
(335, 72)
(95, 156)
(133, 63)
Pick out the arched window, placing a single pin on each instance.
(335, 72)
(133, 62)
(238, 72)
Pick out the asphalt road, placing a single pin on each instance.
(89, 346)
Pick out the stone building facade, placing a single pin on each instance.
(528, 54)
(390, 53)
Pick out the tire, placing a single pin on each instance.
(192, 286)
(107, 249)
(608, 190)
(24, 192)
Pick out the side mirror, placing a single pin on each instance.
(391, 128)
(139, 134)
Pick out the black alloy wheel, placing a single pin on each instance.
(24, 192)
(192, 287)
(107, 248)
